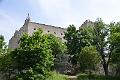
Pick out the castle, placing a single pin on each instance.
(30, 27)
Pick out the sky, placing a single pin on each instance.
(60, 13)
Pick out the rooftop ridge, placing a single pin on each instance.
(48, 25)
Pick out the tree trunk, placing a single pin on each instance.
(105, 67)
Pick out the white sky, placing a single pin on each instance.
(55, 12)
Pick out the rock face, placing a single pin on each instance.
(30, 27)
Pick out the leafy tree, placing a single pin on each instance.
(2, 45)
(55, 44)
(100, 34)
(33, 55)
(72, 43)
(34, 58)
(96, 35)
(6, 67)
(89, 58)
(5, 59)
(114, 45)
(77, 39)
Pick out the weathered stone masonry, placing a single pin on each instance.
(30, 27)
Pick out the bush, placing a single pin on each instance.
(96, 77)
(56, 76)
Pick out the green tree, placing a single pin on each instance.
(89, 58)
(5, 59)
(100, 39)
(55, 44)
(77, 39)
(2, 45)
(96, 35)
(114, 45)
(72, 43)
(6, 67)
(34, 58)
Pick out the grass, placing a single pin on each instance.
(96, 77)
(57, 76)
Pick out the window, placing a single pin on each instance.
(48, 31)
(34, 28)
(61, 33)
(54, 32)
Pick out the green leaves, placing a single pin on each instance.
(73, 43)
(115, 42)
(90, 33)
(89, 58)
(35, 56)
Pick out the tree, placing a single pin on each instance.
(72, 43)
(33, 55)
(76, 40)
(96, 35)
(55, 44)
(100, 34)
(114, 45)
(2, 45)
(6, 67)
(5, 59)
(89, 58)
(34, 58)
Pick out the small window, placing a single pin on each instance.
(54, 32)
(61, 33)
(34, 28)
(48, 31)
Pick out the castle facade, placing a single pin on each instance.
(30, 27)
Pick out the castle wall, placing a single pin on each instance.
(14, 41)
(31, 27)
(47, 29)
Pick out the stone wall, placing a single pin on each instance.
(31, 27)
(57, 31)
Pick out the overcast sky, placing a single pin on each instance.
(55, 12)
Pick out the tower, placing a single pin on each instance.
(27, 19)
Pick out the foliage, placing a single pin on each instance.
(76, 39)
(96, 77)
(56, 76)
(114, 45)
(34, 57)
(3, 46)
(72, 43)
(2, 43)
(101, 42)
(96, 35)
(55, 44)
(5, 59)
(89, 58)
